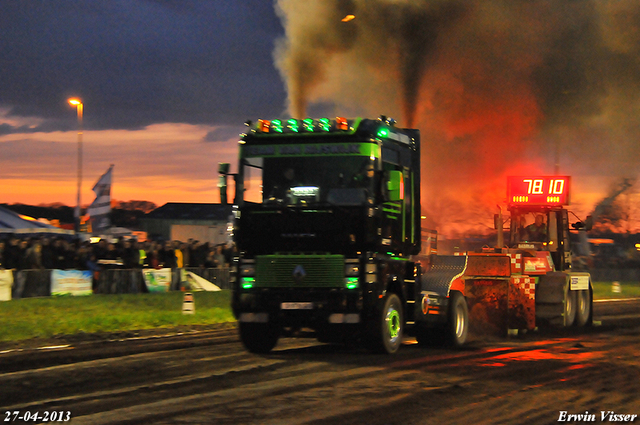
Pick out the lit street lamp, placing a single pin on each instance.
(78, 104)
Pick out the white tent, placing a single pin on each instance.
(11, 222)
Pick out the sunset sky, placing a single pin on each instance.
(166, 88)
(496, 88)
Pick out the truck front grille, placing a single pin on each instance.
(291, 271)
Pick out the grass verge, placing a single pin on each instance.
(48, 317)
(604, 290)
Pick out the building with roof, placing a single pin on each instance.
(184, 221)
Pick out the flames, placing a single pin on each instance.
(496, 87)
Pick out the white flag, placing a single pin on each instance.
(101, 206)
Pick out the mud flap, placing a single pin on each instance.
(553, 300)
(488, 302)
(522, 303)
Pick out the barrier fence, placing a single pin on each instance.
(38, 283)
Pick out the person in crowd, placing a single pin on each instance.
(112, 252)
(184, 248)
(34, 255)
(153, 256)
(100, 249)
(178, 254)
(130, 255)
(198, 254)
(168, 255)
(218, 258)
(11, 253)
(23, 262)
(59, 253)
(142, 253)
(210, 261)
(48, 256)
(71, 254)
(84, 255)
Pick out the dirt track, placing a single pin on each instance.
(208, 378)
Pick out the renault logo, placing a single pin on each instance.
(299, 274)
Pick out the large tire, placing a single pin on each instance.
(258, 338)
(570, 308)
(583, 308)
(458, 320)
(389, 326)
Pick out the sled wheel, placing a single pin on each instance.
(570, 307)
(583, 307)
(458, 326)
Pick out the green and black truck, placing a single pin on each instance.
(328, 216)
(328, 230)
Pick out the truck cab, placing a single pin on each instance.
(327, 218)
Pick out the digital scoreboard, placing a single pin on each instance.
(538, 190)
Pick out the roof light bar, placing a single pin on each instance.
(307, 125)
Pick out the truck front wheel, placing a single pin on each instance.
(258, 338)
(389, 328)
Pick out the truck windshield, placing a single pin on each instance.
(531, 227)
(335, 180)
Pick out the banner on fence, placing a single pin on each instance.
(71, 282)
(6, 282)
(157, 280)
(198, 283)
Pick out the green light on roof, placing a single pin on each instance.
(325, 124)
(276, 125)
(293, 125)
(307, 124)
(383, 132)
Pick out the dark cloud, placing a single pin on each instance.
(496, 87)
(138, 62)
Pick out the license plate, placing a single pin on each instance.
(296, 306)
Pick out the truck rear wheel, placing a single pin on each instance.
(258, 338)
(387, 337)
(458, 323)
(583, 307)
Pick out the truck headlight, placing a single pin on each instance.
(247, 270)
(351, 282)
(247, 282)
(247, 275)
(352, 269)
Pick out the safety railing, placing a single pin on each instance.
(39, 283)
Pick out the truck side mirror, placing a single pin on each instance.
(589, 223)
(395, 186)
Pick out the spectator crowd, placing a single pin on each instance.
(59, 253)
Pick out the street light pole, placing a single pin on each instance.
(79, 106)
